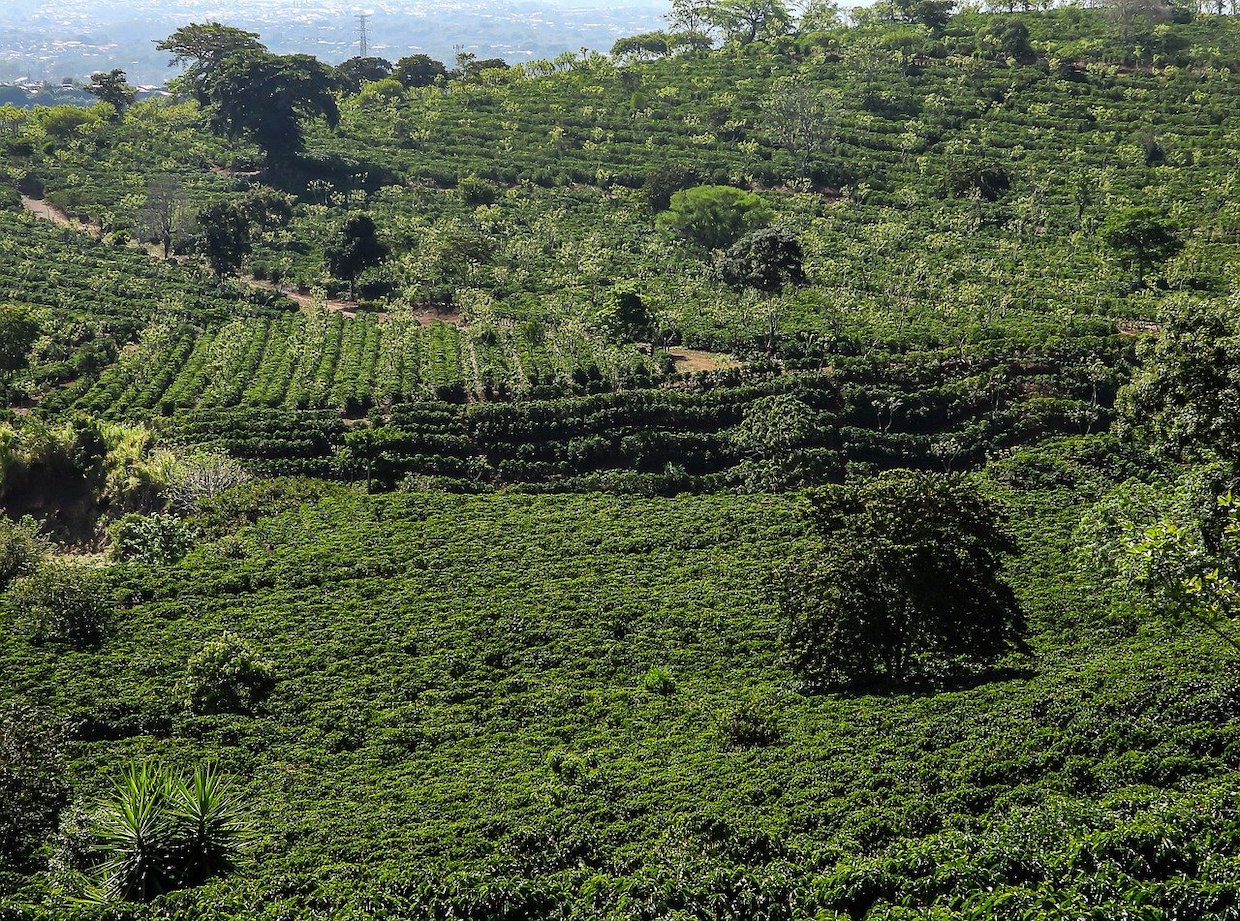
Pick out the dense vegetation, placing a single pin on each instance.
(775, 471)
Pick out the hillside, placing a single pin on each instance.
(758, 477)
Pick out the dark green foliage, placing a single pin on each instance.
(476, 191)
(157, 540)
(355, 73)
(33, 787)
(226, 676)
(419, 70)
(202, 48)
(224, 231)
(1140, 236)
(1182, 400)
(62, 603)
(355, 248)
(752, 722)
(112, 88)
(18, 331)
(906, 583)
(160, 831)
(662, 182)
(265, 97)
(713, 216)
(765, 260)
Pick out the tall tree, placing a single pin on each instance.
(356, 72)
(749, 20)
(355, 248)
(112, 88)
(905, 582)
(202, 48)
(18, 331)
(1184, 401)
(419, 70)
(265, 96)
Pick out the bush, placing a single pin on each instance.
(752, 722)
(659, 681)
(476, 191)
(226, 676)
(159, 540)
(22, 549)
(714, 216)
(63, 603)
(32, 783)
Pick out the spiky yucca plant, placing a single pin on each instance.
(160, 831)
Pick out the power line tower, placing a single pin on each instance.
(363, 43)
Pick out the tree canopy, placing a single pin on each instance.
(714, 216)
(264, 97)
(905, 583)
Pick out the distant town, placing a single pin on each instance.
(48, 48)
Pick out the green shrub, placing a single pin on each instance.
(659, 681)
(226, 676)
(63, 603)
(22, 549)
(476, 191)
(159, 540)
(752, 722)
(32, 782)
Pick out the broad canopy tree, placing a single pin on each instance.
(905, 583)
(202, 49)
(225, 236)
(714, 216)
(1141, 237)
(265, 96)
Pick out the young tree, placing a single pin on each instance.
(1141, 237)
(802, 117)
(355, 248)
(264, 97)
(224, 236)
(419, 70)
(714, 216)
(112, 88)
(203, 48)
(905, 583)
(18, 331)
(164, 214)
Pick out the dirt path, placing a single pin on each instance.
(689, 360)
(45, 210)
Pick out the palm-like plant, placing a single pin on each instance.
(211, 833)
(135, 831)
(160, 831)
